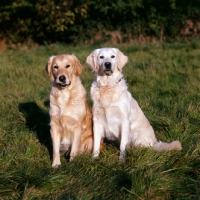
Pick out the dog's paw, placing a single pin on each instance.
(71, 158)
(121, 159)
(122, 156)
(56, 162)
(55, 166)
(95, 154)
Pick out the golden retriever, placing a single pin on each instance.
(71, 118)
(116, 114)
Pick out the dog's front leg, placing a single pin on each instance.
(124, 139)
(55, 135)
(75, 143)
(98, 135)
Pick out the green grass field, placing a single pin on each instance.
(163, 78)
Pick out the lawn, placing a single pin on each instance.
(163, 78)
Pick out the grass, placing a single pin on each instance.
(164, 79)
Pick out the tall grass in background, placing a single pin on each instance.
(164, 79)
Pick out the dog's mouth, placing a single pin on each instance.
(108, 72)
(63, 85)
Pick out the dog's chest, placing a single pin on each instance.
(63, 98)
(107, 109)
(64, 104)
(110, 118)
(105, 97)
(112, 121)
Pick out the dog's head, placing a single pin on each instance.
(62, 68)
(105, 61)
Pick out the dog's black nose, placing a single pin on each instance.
(62, 78)
(107, 65)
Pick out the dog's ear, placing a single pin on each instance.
(92, 60)
(48, 66)
(77, 65)
(121, 59)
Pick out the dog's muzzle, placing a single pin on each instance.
(108, 70)
(62, 81)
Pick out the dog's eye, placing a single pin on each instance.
(101, 57)
(55, 67)
(67, 66)
(112, 56)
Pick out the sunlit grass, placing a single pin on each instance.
(164, 79)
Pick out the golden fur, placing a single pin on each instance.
(71, 119)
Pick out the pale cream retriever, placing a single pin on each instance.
(116, 114)
(71, 119)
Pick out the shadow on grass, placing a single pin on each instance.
(37, 120)
(124, 182)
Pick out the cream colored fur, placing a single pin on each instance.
(116, 114)
(71, 119)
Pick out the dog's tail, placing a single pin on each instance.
(163, 146)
